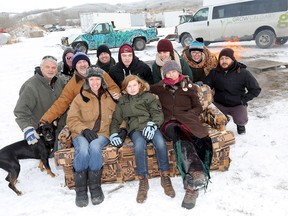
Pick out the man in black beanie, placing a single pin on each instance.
(105, 60)
(234, 86)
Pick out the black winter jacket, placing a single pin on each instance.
(236, 87)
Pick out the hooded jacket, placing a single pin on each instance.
(119, 71)
(235, 87)
(63, 69)
(69, 92)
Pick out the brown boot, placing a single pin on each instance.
(143, 189)
(189, 200)
(166, 184)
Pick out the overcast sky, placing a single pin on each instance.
(16, 6)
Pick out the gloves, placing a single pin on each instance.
(122, 133)
(31, 135)
(149, 131)
(90, 135)
(116, 140)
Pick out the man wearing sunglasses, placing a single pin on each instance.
(36, 95)
(65, 69)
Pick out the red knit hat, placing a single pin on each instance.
(164, 45)
(126, 49)
(227, 52)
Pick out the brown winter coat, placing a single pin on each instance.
(182, 105)
(69, 92)
(83, 114)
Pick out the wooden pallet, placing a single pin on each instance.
(262, 64)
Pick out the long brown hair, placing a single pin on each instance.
(144, 85)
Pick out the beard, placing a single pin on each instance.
(226, 67)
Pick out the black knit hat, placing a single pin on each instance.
(227, 52)
(79, 56)
(103, 48)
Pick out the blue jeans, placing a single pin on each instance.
(141, 156)
(88, 155)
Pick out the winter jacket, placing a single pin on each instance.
(202, 69)
(69, 92)
(236, 87)
(119, 71)
(35, 98)
(182, 105)
(156, 70)
(82, 115)
(136, 111)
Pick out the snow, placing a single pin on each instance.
(256, 183)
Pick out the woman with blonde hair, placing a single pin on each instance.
(142, 112)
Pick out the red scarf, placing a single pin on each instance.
(171, 82)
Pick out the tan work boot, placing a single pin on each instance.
(166, 184)
(189, 200)
(143, 189)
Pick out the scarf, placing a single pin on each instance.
(171, 82)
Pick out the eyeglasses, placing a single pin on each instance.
(68, 57)
(49, 57)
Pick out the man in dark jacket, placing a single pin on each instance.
(105, 60)
(234, 86)
(128, 64)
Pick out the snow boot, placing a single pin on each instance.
(94, 179)
(199, 180)
(143, 189)
(241, 129)
(190, 197)
(80, 179)
(167, 185)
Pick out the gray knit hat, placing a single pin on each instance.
(94, 71)
(169, 66)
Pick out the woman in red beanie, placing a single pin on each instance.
(166, 52)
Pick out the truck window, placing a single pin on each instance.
(201, 15)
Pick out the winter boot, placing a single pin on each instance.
(94, 179)
(143, 189)
(166, 184)
(190, 197)
(199, 180)
(241, 129)
(80, 179)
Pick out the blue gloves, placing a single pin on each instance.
(31, 135)
(116, 140)
(90, 135)
(149, 131)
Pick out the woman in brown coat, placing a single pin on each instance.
(89, 119)
(181, 108)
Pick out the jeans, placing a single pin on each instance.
(141, 156)
(88, 155)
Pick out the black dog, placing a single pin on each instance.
(11, 154)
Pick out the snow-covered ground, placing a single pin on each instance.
(255, 185)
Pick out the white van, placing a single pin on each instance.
(265, 21)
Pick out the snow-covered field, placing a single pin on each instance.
(256, 183)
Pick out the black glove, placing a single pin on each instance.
(90, 135)
(122, 133)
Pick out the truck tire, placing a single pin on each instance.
(186, 39)
(281, 41)
(265, 39)
(139, 44)
(82, 47)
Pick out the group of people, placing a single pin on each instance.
(105, 102)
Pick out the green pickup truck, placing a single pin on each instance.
(104, 33)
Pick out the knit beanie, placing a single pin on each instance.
(169, 66)
(227, 52)
(164, 45)
(94, 71)
(126, 49)
(101, 49)
(79, 56)
(196, 46)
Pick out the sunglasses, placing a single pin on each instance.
(68, 57)
(49, 57)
